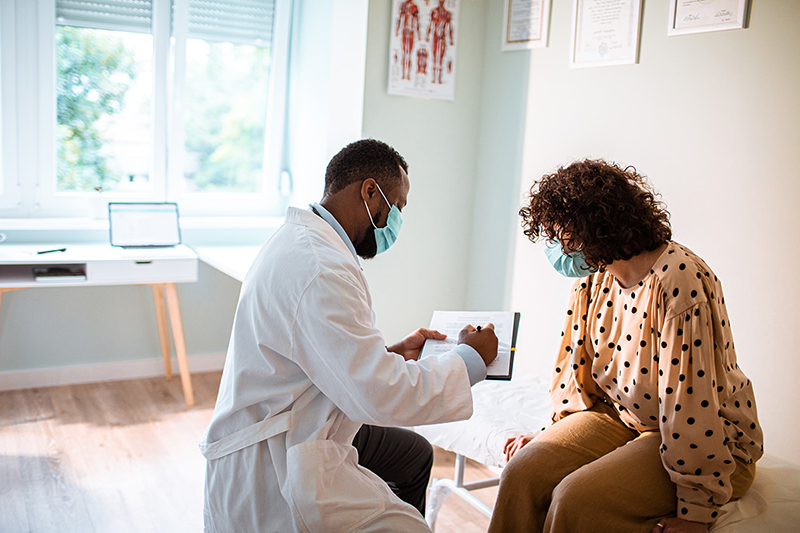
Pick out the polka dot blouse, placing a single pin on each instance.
(662, 354)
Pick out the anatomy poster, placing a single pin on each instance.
(422, 51)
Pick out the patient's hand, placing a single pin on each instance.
(678, 525)
(411, 346)
(514, 444)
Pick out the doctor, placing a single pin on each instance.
(306, 367)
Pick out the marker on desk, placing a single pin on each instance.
(51, 251)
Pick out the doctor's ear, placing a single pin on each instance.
(369, 188)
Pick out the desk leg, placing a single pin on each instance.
(161, 319)
(180, 342)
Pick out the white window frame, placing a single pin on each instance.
(10, 195)
(269, 201)
(29, 123)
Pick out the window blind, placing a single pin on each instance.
(236, 21)
(125, 15)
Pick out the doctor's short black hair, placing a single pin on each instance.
(607, 212)
(367, 158)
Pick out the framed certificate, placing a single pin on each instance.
(698, 16)
(525, 24)
(605, 32)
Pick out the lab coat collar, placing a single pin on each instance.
(330, 219)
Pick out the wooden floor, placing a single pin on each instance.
(122, 457)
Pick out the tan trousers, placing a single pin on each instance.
(590, 472)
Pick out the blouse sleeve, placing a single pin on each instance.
(694, 447)
(571, 375)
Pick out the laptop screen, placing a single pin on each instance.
(140, 225)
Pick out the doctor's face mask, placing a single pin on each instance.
(380, 239)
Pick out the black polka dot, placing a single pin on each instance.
(644, 370)
(685, 347)
(664, 269)
(690, 420)
(669, 390)
(700, 373)
(709, 433)
(694, 293)
(698, 342)
(569, 311)
(675, 292)
(609, 304)
(675, 361)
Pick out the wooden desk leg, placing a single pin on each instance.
(161, 319)
(180, 342)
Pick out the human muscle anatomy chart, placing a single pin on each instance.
(425, 30)
(408, 21)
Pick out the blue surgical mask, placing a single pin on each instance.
(386, 236)
(569, 265)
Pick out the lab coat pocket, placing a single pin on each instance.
(329, 491)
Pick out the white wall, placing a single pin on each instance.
(428, 267)
(714, 121)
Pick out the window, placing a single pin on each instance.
(178, 100)
(226, 63)
(9, 187)
(104, 90)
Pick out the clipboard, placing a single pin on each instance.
(452, 322)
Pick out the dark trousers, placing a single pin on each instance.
(400, 457)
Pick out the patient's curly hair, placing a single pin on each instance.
(607, 212)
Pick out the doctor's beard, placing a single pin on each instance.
(367, 248)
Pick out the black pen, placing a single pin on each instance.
(51, 251)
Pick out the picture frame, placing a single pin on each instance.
(605, 33)
(526, 24)
(701, 16)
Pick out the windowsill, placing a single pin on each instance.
(191, 223)
(195, 231)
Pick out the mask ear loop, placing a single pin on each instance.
(369, 215)
(384, 199)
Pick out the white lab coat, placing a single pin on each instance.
(305, 368)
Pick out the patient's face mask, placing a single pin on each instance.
(570, 265)
(386, 236)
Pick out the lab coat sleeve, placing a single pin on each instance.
(337, 345)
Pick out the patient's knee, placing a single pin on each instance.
(528, 473)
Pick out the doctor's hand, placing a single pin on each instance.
(411, 346)
(482, 339)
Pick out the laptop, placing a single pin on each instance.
(144, 224)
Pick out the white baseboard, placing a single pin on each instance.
(72, 375)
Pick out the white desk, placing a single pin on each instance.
(234, 261)
(102, 264)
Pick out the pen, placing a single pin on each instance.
(51, 251)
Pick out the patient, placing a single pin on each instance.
(655, 424)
